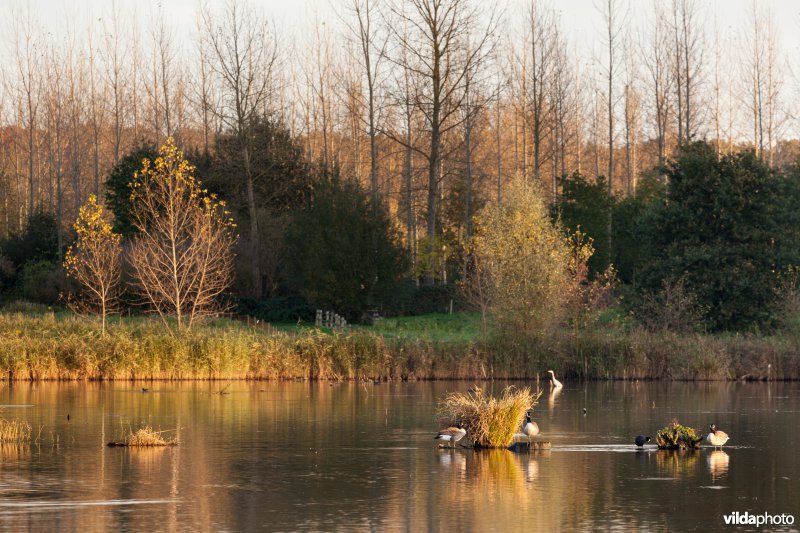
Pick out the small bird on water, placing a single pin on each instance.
(717, 438)
(531, 428)
(452, 434)
(641, 440)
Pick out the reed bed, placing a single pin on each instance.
(490, 421)
(145, 436)
(14, 431)
(50, 346)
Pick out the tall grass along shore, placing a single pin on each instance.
(49, 346)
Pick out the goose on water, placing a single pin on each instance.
(717, 438)
(452, 434)
(531, 428)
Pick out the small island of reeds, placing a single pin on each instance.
(145, 436)
(490, 421)
(677, 437)
(14, 431)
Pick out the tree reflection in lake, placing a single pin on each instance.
(308, 456)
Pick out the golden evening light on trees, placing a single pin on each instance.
(182, 257)
(528, 265)
(95, 261)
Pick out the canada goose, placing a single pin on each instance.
(717, 438)
(531, 428)
(452, 434)
(641, 440)
(556, 384)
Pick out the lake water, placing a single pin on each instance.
(320, 457)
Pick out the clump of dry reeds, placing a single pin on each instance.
(490, 421)
(145, 436)
(14, 431)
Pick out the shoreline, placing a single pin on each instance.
(71, 348)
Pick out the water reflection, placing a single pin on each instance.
(718, 462)
(677, 463)
(552, 396)
(300, 456)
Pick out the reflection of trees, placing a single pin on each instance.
(677, 463)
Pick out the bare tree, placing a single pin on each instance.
(655, 58)
(541, 40)
(764, 80)
(165, 73)
(182, 257)
(372, 43)
(440, 73)
(28, 55)
(97, 108)
(245, 54)
(95, 261)
(631, 96)
(688, 48)
(55, 118)
(115, 54)
(613, 20)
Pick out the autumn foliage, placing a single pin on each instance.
(95, 261)
(530, 268)
(182, 256)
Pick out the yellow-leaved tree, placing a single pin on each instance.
(95, 261)
(530, 270)
(182, 257)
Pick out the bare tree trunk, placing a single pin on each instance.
(245, 55)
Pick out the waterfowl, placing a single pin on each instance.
(452, 434)
(531, 428)
(556, 384)
(717, 438)
(641, 440)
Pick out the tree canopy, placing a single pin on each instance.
(722, 229)
(342, 252)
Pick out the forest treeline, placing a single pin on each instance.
(355, 161)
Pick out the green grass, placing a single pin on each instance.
(448, 328)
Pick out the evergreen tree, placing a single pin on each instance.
(343, 253)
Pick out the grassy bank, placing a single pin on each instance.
(62, 346)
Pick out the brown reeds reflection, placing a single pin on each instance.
(14, 451)
(147, 461)
(677, 463)
(718, 462)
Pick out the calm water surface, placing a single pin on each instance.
(309, 456)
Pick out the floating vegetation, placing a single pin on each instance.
(145, 436)
(677, 437)
(490, 421)
(14, 431)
